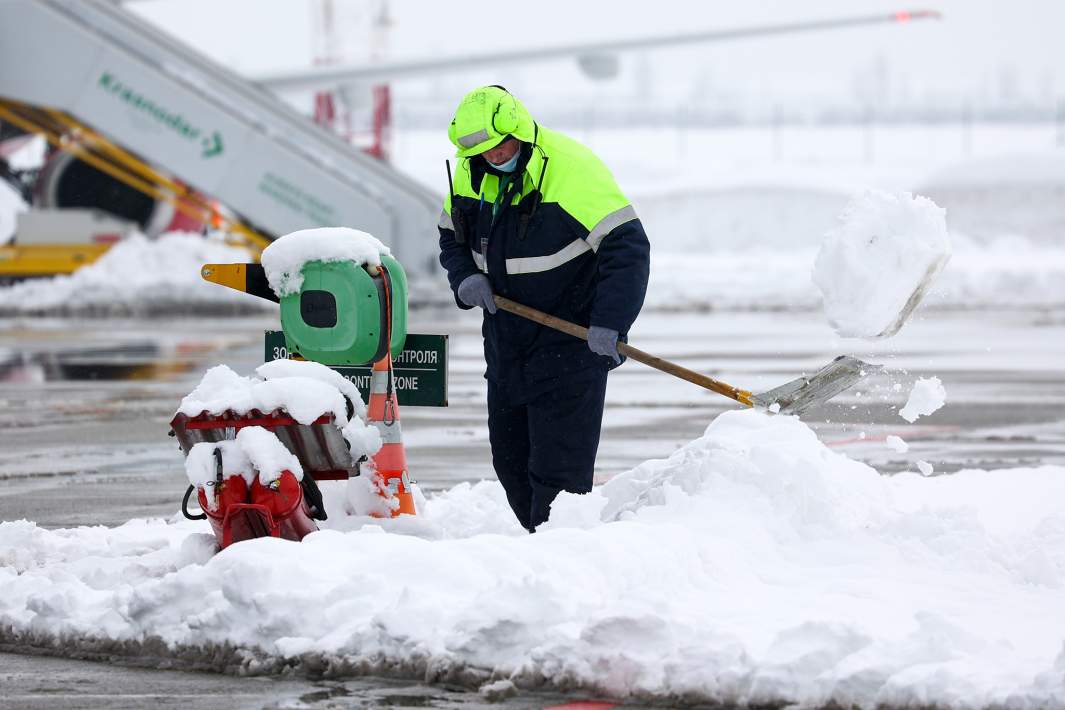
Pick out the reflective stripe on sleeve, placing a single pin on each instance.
(537, 264)
(608, 224)
(445, 221)
(474, 138)
(478, 259)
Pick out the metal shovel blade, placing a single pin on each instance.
(800, 394)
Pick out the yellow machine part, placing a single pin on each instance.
(249, 278)
(35, 260)
(66, 133)
(234, 276)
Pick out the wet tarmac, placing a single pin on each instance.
(85, 406)
(37, 682)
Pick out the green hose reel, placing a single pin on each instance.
(344, 315)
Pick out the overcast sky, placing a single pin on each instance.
(982, 49)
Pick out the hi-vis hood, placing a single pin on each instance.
(485, 117)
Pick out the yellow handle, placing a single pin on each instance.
(670, 368)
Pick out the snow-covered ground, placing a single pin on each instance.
(946, 560)
(754, 565)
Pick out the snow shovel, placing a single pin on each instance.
(792, 397)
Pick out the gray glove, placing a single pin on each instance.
(476, 291)
(603, 341)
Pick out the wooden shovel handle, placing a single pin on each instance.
(670, 368)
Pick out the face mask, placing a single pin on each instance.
(508, 167)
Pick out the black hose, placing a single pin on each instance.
(313, 494)
(185, 506)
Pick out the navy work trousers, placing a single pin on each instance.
(547, 444)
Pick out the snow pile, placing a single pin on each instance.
(316, 371)
(11, 203)
(200, 467)
(284, 259)
(304, 398)
(305, 390)
(138, 276)
(754, 566)
(268, 455)
(874, 268)
(926, 397)
(30, 155)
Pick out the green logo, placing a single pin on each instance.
(210, 143)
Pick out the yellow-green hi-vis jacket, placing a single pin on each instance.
(557, 234)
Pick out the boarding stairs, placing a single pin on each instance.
(162, 111)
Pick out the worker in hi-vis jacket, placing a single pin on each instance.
(536, 217)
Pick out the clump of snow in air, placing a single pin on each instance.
(138, 276)
(896, 443)
(11, 203)
(875, 266)
(926, 397)
(754, 565)
(925, 468)
(283, 260)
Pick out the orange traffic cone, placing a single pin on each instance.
(391, 461)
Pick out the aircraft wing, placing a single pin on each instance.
(595, 57)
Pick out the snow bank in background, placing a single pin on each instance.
(138, 276)
(754, 566)
(996, 171)
(726, 248)
(284, 259)
(874, 268)
(1008, 273)
(926, 397)
(11, 203)
(30, 155)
